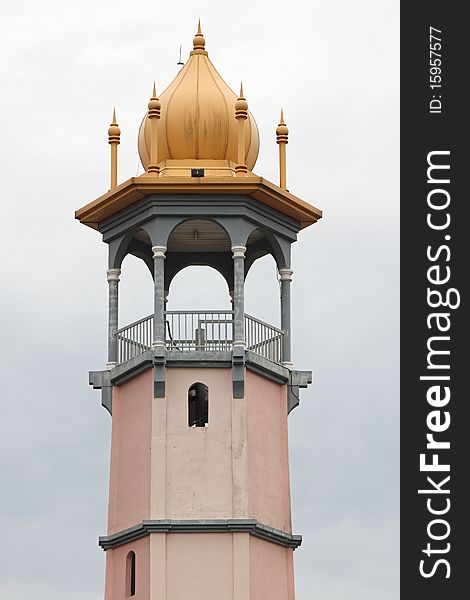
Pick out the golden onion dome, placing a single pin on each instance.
(197, 119)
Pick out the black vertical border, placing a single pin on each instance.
(422, 132)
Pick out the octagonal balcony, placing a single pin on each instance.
(206, 331)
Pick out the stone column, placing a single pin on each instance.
(286, 278)
(159, 298)
(239, 295)
(113, 287)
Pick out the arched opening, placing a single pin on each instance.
(198, 288)
(262, 292)
(198, 405)
(130, 574)
(205, 247)
(199, 312)
(135, 291)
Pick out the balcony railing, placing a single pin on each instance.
(199, 330)
(210, 331)
(135, 339)
(263, 339)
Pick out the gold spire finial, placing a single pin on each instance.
(114, 138)
(154, 104)
(154, 112)
(114, 131)
(241, 105)
(199, 43)
(282, 132)
(282, 138)
(241, 114)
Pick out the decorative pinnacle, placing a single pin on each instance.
(154, 105)
(114, 133)
(282, 132)
(199, 43)
(241, 105)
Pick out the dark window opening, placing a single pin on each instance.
(198, 405)
(130, 574)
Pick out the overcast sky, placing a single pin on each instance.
(333, 66)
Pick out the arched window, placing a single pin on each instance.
(130, 574)
(198, 405)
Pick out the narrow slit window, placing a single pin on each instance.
(198, 405)
(130, 575)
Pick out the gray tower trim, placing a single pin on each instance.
(238, 351)
(158, 360)
(113, 289)
(251, 526)
(159, 321)
(286, 278)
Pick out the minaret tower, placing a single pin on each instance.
(199, 498)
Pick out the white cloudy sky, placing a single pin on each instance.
(333, 66)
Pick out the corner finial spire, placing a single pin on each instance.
(114, 139)
(241, 115)
(199, 43)
(154, 107)
(282, 138)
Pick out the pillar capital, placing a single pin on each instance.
(285, 274)
(113, 274)
(238, 251)
(159, 251)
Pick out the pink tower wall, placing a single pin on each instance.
(199, 567)
(236, 467)
(198, 459)
(115, 585)
(271, 571)
(129, 487)
(163, 469)
(268, 458)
